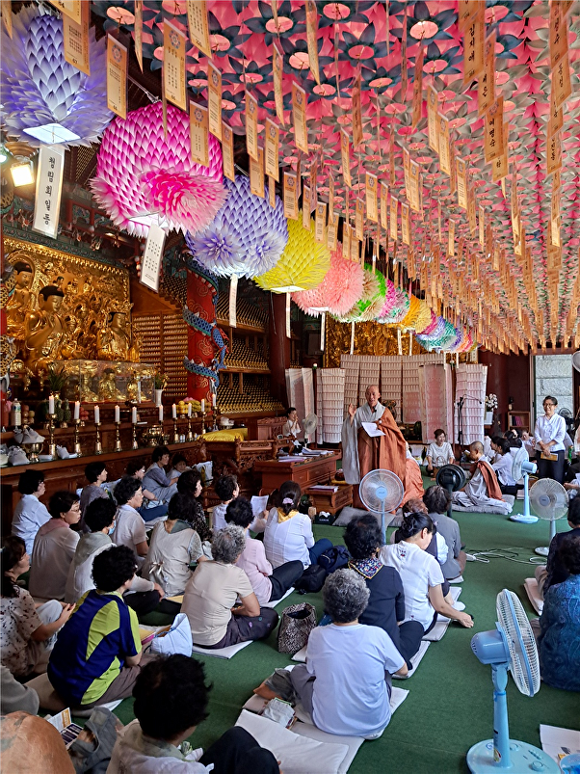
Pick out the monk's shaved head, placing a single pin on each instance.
(373, 395)
(372, 387)
(477, 446)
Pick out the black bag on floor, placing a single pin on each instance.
(311, 580)
(295, 627)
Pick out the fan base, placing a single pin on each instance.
(542, 550)
(519, 517)
(524, 758)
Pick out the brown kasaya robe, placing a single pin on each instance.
(389, 452)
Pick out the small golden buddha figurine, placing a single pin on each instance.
(114, 341)
(107, 386)
(44, 329)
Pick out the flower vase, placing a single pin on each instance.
(158, 397)
(488, 419)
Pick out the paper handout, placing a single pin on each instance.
(372, 430)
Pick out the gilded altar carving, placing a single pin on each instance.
(370, 338)
(64, 307)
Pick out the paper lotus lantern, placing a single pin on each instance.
(143, 176)
(372, 299)
(339, 290)
(410, 319)
(40, 88)
(303, 265)
(247, 236)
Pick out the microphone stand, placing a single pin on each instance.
(460, 404)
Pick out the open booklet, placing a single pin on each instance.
(372, 430)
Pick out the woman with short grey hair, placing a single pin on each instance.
(342, 700)
(227, 544)
(209, 600)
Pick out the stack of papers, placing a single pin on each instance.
(324, 487)
(315, 452)
(559, 742)
(289, 458)
(259, 504)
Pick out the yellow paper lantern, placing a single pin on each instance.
(423, 318)
(303, 264)
(410, 319)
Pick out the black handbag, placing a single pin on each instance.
(311, 580)
(295, 627)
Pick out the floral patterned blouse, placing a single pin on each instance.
(18, 620)
(559, 641)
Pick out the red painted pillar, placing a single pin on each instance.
(201, 300)
(279, 347)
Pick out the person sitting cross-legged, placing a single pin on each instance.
(96, 475)
(210, 597)
(129, 525)
(268, 584)
(386, 607)
(482, 490)
(98, 653)
(156, 479)
(171, 698)
(30, 514)
(437, 501)
(345, 684)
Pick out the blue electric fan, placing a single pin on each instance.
(522, 467)
(381, 492)
(511, 647)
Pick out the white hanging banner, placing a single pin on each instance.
(352, 338)
(322, 330)
(233, 300)
(152, 257)
(410, 343)
(400, 341)
(288, 328)
(49, 176)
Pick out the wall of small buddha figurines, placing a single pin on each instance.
(370, 338)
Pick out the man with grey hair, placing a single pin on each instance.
(210, 597)
(342, 700)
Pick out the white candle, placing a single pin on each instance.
(134, 415)
(202, 405)
(189, 410)
(174, 411)
(97, 415)
(117, 414)
(161, 413)
(51, 404)
(77, 414)
(213, 399)
(139, 391)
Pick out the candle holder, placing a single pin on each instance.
(203, 422)
(118, 446)
(175, 431)
(189, 436)
(51, 443)
(77, 443)
(134, 444)
(98, 447)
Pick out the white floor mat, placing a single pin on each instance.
(416, 660)
(301, 655)
(256, 704)
(459, 579)
(228, 652)
(531, 587)
(277, 601)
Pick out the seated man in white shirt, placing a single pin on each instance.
(30, 514)
(292, 427)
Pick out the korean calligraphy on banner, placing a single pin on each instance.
(49, 177)
(257, 174)
(214, 100)
(152, 257)
(251, 126)
(299, 112)
(70, 8)
(174, 65)
(116, 77)
(345, 153)
(139, 32)
(272, 149)
(198, 25)
(291, 195)
(228, 151)
(198, 125)
(76, 39)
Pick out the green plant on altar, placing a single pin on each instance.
(57, 378)
(160, 380)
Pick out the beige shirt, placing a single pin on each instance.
(209, 596)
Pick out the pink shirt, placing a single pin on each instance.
(258, 569)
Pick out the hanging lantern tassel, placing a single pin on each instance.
(288, 331)
(233, 299)
(322, 330)
(410, 343)
(457, 358)
(400, 340)
(352, 338)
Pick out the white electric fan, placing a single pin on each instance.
(381, 492)
(522, 467)
(511, 647)
(549, 500)
(309, 424)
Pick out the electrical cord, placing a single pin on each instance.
(511, 554)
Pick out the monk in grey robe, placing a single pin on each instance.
(482, 490)
(360, 452)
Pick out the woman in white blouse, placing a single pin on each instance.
(549, 435)
(439, 453)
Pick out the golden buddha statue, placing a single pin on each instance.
(114, 341)
(44, 330)
(108, 387)
(20, 302)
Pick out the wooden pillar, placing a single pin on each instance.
(279, 347)
(201, 292)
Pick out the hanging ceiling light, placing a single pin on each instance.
(22, 171)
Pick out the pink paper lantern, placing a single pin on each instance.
(341, 288)
(144, 177)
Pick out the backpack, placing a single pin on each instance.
(311, 580)
(334, 559)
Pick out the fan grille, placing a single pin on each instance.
(381, 490)
(524, 662)
(549, 499)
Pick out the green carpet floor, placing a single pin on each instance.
(450, 705)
